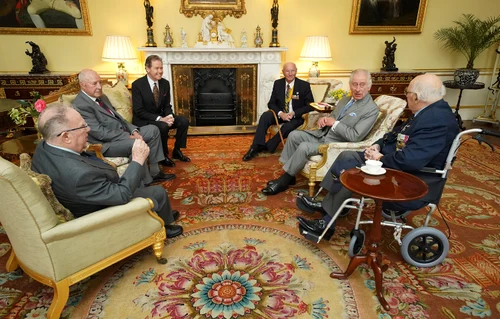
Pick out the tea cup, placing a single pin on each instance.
(373, 166)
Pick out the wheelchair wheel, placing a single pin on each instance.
(424, 247)
(357, 242)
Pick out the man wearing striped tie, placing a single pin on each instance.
(351, 121)
(289, 100)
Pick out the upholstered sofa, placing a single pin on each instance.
(318, 165)
(57, 250)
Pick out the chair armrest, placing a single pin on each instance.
(350, 145)
(100, 219)
(310, 120)
(97, 149)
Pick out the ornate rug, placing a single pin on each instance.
(241, 255)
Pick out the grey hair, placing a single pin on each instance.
(56, 122)
(366, 72)
(151, 58)
(427, 92)
(83, 76)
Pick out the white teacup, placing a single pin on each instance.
(373, 166)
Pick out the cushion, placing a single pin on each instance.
(45, 184)
(120, 98)
(67, 98)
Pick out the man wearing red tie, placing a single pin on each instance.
(289, 100)
(151, 105)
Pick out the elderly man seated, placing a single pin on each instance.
(351, 121)
(82, 182)
(424, 140)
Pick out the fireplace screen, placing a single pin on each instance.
(216, 95)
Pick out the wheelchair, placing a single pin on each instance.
(421, 247)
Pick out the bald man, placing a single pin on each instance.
(424, 140)
(289, 110)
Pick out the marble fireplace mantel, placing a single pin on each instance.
(268, 61)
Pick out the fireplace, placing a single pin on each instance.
(216, 96)
(237, 84)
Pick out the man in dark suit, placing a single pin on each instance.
(110, 129)
(289, 100)
(151, 105)
(424, 140)
(82, 182)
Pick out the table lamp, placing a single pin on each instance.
(316, 48)
(119, 49)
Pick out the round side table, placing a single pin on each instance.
(453, 85)
(393, 186)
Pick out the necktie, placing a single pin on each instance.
(156, 94)
(346, 107)
(288, 97)
(101, 104)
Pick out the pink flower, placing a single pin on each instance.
(40, 105)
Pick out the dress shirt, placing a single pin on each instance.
(290, 107)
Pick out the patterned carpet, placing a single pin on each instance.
(241, 255)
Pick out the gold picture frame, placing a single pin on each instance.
(50, 21)
(387, 17)
(219, 8)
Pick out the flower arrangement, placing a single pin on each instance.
(31, 108)
(336, 95)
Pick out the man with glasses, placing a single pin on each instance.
(351, 121)
(110, 129)
(82, 182)
(424, 140)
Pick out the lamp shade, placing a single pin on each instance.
(316, 48)
(118, 48)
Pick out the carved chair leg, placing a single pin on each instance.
(12, 263)
(61, 294)
(158, 248)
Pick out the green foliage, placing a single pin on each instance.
(470, 37)
(20, 113)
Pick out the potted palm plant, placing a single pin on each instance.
(471, 36)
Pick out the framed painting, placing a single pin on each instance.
(54, 17)
(387, 16)
(218, 8)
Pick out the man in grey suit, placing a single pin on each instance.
(82, 182)
(110, 129)
(351, 121)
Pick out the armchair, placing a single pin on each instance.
(318, 165)
(59, 254)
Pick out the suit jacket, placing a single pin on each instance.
(354, 125)
(84, 185)
(145, 110)
(104, 127)
(300, 104)
(429, 136)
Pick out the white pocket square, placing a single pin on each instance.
(352, 114)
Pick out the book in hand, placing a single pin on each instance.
(322, 106)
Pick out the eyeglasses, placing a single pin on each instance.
(406, 91)
(73, 129)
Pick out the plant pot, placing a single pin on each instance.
(466, 77)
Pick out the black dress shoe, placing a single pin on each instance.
(316, 226)
(307, 204)
(274, 181)
(275, 188)
(177, 154)
(163, 177)
(167, 162)
(173, 230)
(250, 154)
(175, 215)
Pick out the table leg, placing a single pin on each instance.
(457, 115)
(373, 257)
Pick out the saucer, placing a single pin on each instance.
(379, 172)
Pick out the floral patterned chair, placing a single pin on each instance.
(318, 165)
